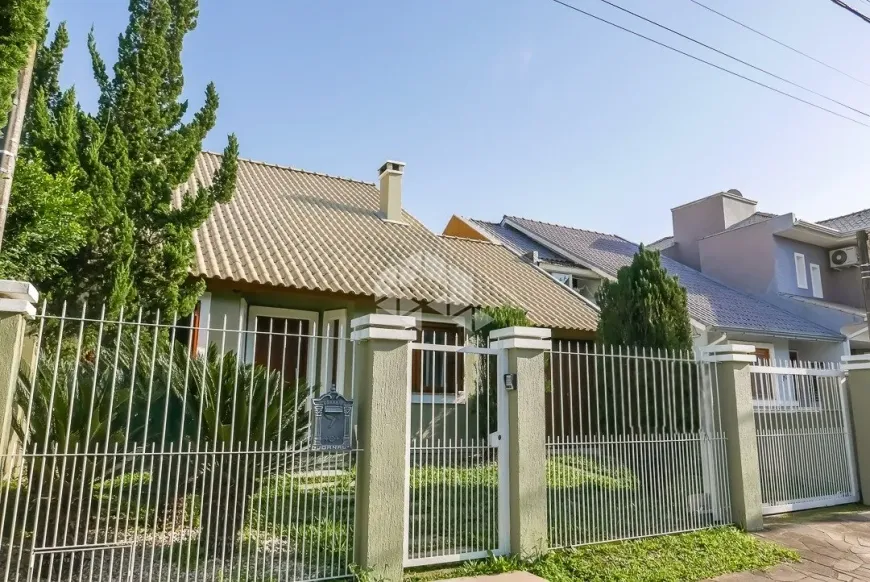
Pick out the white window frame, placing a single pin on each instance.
(816, 279)
(557, 277)
(785, 394)
(313, 317)
(341, 316)
(800, 268)
(204, 324)
(461, 321)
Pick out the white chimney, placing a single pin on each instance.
(391, 190)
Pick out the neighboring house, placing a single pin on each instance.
(305, 253)
(807, 268)
(718, 312)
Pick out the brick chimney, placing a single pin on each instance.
(391, 190)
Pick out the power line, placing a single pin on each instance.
(708, 63)
(780, 43)
(732, 57)
(845, 6)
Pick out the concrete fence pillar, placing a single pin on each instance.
(858, 381)
(525, 350)
(17, 301)
(382, 374)
(734, 385)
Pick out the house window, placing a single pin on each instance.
(805, 389)
(563, 278)
(200, 324)
(816, 277)
(283, 341)
(333, 356)
(800, 266)
(763, 385)
(438, 372)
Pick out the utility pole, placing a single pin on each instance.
(12, 137)
(864, 262)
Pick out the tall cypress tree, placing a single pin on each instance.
(644, 307)
(21, 23)
(127, 158)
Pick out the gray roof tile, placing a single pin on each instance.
(710, 302)
(849, 222)
(661, 244)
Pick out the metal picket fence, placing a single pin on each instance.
(635, 444)
(457, 467)
(167, 450)
(804, 434)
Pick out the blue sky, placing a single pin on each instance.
(523, 107)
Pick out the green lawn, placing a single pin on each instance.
(452, 508)
(675, 558)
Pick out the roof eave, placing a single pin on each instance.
(833, 338)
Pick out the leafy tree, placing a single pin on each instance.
(127, 159)
(21, 23)
(487, 320)
(46, 225)
(644, 307)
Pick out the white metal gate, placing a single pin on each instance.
(803, 425)
(457, 483)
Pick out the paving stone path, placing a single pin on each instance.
(834, 544)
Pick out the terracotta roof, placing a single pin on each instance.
(291, 228)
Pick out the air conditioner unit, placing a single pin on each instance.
(845, 257)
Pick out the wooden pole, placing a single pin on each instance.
(12, 137)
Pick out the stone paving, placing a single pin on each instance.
(834, 544)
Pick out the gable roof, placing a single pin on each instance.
(663, 243)
(849, 222)
(518, 242)
(751, 219)
(710, 302)
(291, 228)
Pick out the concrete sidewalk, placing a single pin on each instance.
(834, 544)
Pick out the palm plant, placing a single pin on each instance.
(148, 394)
(241, 416)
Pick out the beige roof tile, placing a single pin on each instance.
(291, 228)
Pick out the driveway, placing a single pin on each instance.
(834, 544)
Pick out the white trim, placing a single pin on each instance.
(523, 343)
(439, 398)
(802, 505)
(21, 306)
(779, 401)
(521, 332)
(782, 371)
(312, 317)
(816, 279)
(329, 316)
(800, 270)
(204, 324)
(449, 558)
(18, 290)
(387, 320)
